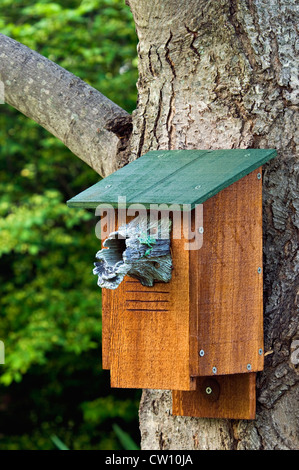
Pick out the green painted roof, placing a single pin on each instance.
(173, 177)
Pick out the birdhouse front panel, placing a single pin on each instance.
(146, 330)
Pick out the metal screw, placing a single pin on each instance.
(201, 352)
(198, 186)
(214, 370)
(208, 390)
(108, 186)
(258, 176)
(259, 270)
(260, 351)
(201, 230)
(248, 366)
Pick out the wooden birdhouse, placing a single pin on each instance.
(182, 292)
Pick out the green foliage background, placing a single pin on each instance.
(50, 321)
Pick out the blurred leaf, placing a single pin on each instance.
(58, 443)
(124, 438)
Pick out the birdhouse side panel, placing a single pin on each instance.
(230, 281)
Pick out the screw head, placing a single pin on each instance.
(258, 176)
(260, 351)
(108, 186)
(201, 230)
(210, 389)
(198, 186)
(201, 353)
(259, 270)
(248, 366)
(214, 370)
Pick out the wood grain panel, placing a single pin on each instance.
(226, 396)
(174, 177)
(149, 330)
(229, 285)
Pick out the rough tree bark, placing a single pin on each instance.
(211, 75)
(224, 75)
(89, 124)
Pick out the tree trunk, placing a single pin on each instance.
(223, 75)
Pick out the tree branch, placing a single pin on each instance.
(94, 128)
